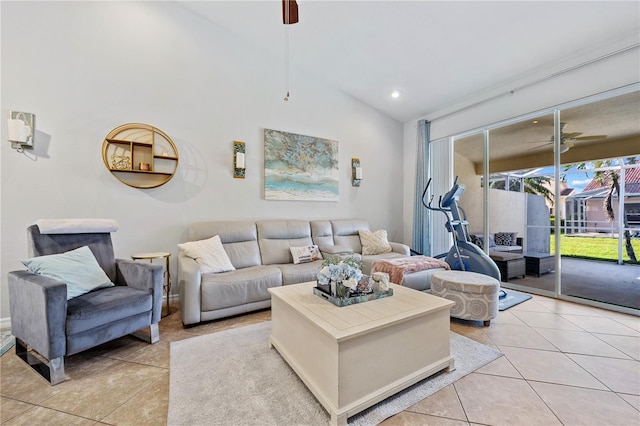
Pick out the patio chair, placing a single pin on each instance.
(48, 319)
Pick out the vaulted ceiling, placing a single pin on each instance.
(444, 55)
(437, 53)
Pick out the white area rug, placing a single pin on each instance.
(234, 378)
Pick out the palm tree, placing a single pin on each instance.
(539, 185)
(611, 178)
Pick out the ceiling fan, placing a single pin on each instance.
(567, 139)
(289, 12)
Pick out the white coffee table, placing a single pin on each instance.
(355, 356)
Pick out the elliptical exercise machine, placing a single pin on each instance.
(463, 255)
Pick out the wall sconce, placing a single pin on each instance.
(238, 160)
(356, 172)
(20, 129)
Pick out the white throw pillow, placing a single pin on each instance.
(209, 254)
(305, 254)
(374, 242)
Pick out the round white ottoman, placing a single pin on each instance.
(475, 295)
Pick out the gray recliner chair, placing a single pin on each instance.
(44, 321)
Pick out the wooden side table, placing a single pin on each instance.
(167, 272)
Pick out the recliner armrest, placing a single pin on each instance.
(143, 276)
(400, 248)
(38, 308)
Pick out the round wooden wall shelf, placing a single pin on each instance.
(140, 155)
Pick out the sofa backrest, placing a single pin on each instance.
(276, 237)
(321, 233)
(345, 233)
(239, 239)
(99, 243)
(268, 242)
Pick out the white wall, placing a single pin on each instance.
(600, 76)
(86, 67)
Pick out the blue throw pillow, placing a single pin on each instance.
(78, 269)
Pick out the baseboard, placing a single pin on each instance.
(5, 322)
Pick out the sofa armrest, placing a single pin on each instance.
(400, 248)
(38, 308)
(143, 276)
(189, 283)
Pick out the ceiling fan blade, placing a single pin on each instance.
(565, 146)
(570, 135)
(590, 138)
(289, 12)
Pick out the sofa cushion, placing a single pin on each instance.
(420, 280)
(209, 253)
(336, 250)
(247, 285)
(302, 273)
(367, 261)
(239, 239)
(346, 233)
(507, 249)
(78, 269)
(502, 256)
(105, 306)
(276, 237)
(374, 242)
(321, 233)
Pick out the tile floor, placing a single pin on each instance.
(564, 364)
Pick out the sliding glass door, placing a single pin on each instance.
(564, 186)
(600, 149)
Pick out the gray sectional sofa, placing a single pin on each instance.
(260, 253)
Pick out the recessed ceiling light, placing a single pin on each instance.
(396, 94)
(535, 121)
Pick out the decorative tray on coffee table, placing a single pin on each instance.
(353, 299)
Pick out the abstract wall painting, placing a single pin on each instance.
(298, 167)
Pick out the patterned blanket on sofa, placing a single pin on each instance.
(397, 268)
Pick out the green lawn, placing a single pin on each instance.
(601, 248)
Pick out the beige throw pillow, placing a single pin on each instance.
(374, 242)
(209, 254)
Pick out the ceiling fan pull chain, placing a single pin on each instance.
(286, 61)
